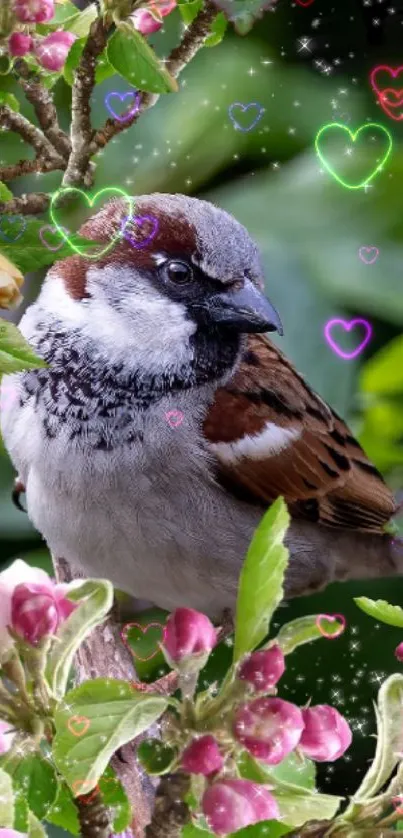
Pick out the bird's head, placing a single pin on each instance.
(175, 293)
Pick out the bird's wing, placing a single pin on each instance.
(272, 435)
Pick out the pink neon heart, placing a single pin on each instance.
(49, 228)
(331, 618)
(348, 325)
(174, 418)
(382, 93)
(364, 254)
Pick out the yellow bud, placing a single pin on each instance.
(11, 280)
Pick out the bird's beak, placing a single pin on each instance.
(245, 310)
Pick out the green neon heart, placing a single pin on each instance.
(90, 201)
(353, 136)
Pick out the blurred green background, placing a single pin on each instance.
(310, 229)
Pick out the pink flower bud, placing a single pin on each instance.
(52, 51)
(6, 736)
(269, 728)
(202, 756)
(19, 44)
(37, 610)
(12, 833)
(326, 735)
(399, 652)
(263, 669)
(34, 11)
(145, 22)
(187, 633)
(228, 805)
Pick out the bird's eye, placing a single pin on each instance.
(179, 272)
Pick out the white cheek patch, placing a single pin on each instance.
(55, 298)
(271, 440)
(144, 328)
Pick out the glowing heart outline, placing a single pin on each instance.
(348, 325)
(331, 618)
(15, 218)
(368, 261)
(122, 96)
(44, 229)
(381, 93)
(90, 201)
(78, 719)
(170, 413)
(353, 136)
(137, 220)
(244, 108)
(143, 630)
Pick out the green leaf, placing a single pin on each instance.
(300, 631)
(10, 100)
(81, 23)
(263, 829)
(103, 69)
(218, 29)
(27, 250)
(115, 715)
(115, 798)
(298, 772)
(389, 741)
(133, 58)
(190, 10)
(36, 780)
(261, 580)
(6, 800)
(15, 352)
(155, 756)
(5, 194)
(35, 828)
(381, 610)
(95, 598)
(297, 803)
(64, 812)
(383, 373)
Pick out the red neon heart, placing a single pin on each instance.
(143, 629)
(304, 3)
(383, 92)
(74, 724)
(331, 618)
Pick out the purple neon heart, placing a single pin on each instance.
(348, 325)
(122, 97)
(138, 220)
(245, 108)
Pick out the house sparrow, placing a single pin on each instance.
(173, 326)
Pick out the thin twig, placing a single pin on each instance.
(193, 38)
(81, 129)
(41, 99)
(29, 167)
(18, 123)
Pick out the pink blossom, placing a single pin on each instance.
(6, 736)
(202, 756)
(18, 575)
(229, 805)
(34, 11)
(187, 633)
(326, 735)
(399, 652)
(144, 20)
(269, 728)
(11, 833)
(263, 668)
(19, 44)
(52, 51)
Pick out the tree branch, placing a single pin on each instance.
(81, 129)
(41, 100)
(193, 39)
(170, 813)
(29, 167)
(17, 123)
(32, 204)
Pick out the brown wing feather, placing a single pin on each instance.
(322, 472)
